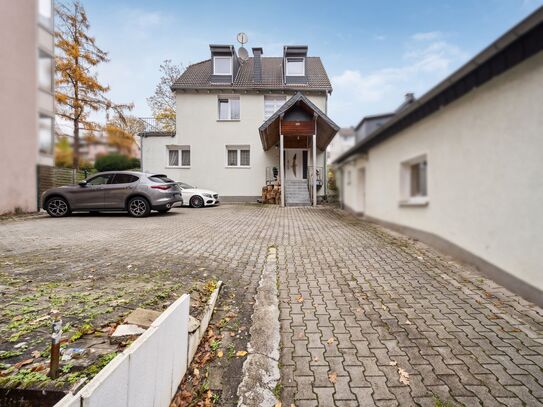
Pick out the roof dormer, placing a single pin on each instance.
(224, 62)
(295, 64)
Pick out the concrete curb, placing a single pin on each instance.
(261, 368)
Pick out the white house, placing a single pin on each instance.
(343, 140)
(243, 123)
(462, 166)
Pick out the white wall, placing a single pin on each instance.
(197, 126)
(485, 173)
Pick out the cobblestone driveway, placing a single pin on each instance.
(360, 307)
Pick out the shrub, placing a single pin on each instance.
(115, 162)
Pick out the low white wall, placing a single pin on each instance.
(148, 372)
(485, 173)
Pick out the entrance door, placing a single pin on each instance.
(361, 198)
(296, 164)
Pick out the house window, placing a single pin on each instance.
(222, 65)
(45, 71)
(414, 181)
(238, 156)
(272, 104)
(179, 156)
(46, 134)
(229, 108)
(295, 67)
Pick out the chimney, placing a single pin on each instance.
(409, 97)
(257, 65)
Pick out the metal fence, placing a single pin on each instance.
(51, 177)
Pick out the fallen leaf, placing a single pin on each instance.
(300, 298)
(196, 372)
(220, 354)
(332, 377)
(278, 404)
(330, 341)
(23, 363)
(404, 376)
(384, 307)
(408, 322)
(393, 363)
(232, 334)
(316, 359)
(129, 266)
(36, 354)
(241, 353)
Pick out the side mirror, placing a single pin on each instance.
(83, 183)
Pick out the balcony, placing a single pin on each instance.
(156, 127)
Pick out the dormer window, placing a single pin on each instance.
(295, 66)
(222, 65)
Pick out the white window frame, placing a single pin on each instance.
(229, 98)
(295, 74)
(275, 98)
(406, 198)
(230, 60)
(180, 150)
(238, 148)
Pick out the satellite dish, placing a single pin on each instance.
(242, 38)
(243, 54)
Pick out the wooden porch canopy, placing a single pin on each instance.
(298, 117)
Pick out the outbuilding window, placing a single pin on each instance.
(414, 181)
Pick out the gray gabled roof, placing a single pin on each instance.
(199, 76)
(516, 45)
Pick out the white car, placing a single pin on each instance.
(196, 197)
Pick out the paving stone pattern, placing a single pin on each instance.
(358, 304)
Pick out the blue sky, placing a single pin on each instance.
(374, 51)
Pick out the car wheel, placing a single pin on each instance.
(196, 201)
(57, 207)
(163, 210)
(139, 207)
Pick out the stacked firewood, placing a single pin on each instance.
(271, 194)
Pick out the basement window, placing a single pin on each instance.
(414, 181)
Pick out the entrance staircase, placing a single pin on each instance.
(297, 193)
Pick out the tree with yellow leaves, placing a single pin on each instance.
(121, 133)
(162, 103)
(78, 92)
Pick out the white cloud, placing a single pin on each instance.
(422, 66)
(427, 36)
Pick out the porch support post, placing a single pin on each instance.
(314, 186)
(282, 167)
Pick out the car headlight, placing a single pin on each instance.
(208, 195)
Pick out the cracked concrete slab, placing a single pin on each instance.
(261, 368)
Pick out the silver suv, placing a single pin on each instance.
(135, 192)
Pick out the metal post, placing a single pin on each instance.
(56, 334)
(282, 167)
(314, 170)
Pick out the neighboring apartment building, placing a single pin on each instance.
(243, 124)
(462, 167)
(26, 100)
(343, 140)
